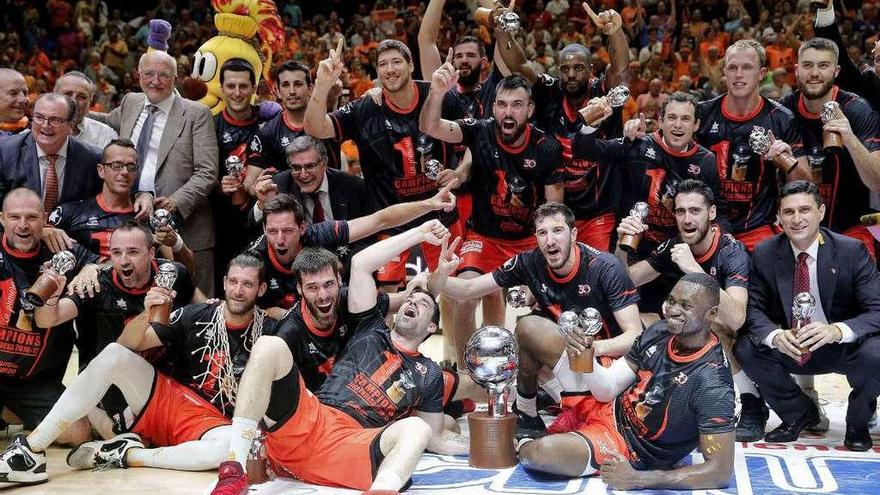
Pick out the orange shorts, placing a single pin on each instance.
(394, 272)
(483, 254)
(596, 232)
(598, 427)
(324, 446)
(174, 414)
(751, 238)
(861, 233)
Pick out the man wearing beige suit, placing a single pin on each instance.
(177, 154)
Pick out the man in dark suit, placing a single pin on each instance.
(839, 337)
(47, 160)
(325, 193)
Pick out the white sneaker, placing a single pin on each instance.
(104, 454)
(19, 464)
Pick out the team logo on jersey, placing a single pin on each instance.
(261, 124)
(421, 368)
(712, 271)
(544, 288)
(55, 216)
(175, 315)
(694, 169)
(681, 378)
(583, 289)
(472, 246)
(714, 129)
(651, 350)
(121, 304)
(227, 137)
(650, 153)
(508, 265)
(529, 163)
(285, 141)
(342, 251)
(92, 222)
(273, 283)
(312, 348)
(256, 145)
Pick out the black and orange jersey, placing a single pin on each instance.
(751, 202)
(674, 399)
(191, 338)
(90, 222)
(652, 169)
(592, 187)
(393, 152)
(26, 351)
(316, 350)
(476, 104)
(281, 292)
(507, 183)
(375, 382)
(267, 144)
(234, 136)
(599, 280)
(103, 317)
(727, 260)
(845, 195)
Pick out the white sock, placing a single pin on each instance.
(387, 479)
(553, 388)
(527, 406)
(241, 437)
(744, 384)
(199, 455)
(825, 17)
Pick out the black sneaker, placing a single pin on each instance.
(19, 464)
(752, 419)
(528, 426)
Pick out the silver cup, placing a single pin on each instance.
(802, 308)
(828, 112)
(491, 357)
(43, 287)
(568, 322)
(640, 210)
(516, 297)
(508, 22)
(63, 261)
(759, 140)
(166, 276)
(433, 168)
(160, 218)
(617, 96)
(590, 321)
(234, 166)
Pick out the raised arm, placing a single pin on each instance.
(138, 334)
(317, 122)
(430, 120)
(610, 23)
(429, 31)
(399, 214)
(57, 309)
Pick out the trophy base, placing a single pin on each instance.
(256, 471)
(582, 363)
(492, 441)
(42, 289)
(832, 142)
(629, 243)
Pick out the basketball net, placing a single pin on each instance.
(220, 371)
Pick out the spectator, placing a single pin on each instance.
(13, 102)
(79, 88)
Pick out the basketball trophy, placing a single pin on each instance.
(591, 323)
(630, 242)
(802, 311)
(759, 141)
(832, 141)
(160, 218)
(433, 167)
(234, 166)
(43, 288)
(491, 357)
(616, 98)
(165, 278)
(516, 296)
(508, 20)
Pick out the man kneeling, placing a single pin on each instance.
(648, 411)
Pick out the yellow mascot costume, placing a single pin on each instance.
(238, 23)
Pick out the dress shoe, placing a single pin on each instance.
(789, 432)
(858, 438)
(752, 418)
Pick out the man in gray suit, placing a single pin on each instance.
(177, 153)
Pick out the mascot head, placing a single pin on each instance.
(248, 29)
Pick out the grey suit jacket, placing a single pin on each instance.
(187, 162)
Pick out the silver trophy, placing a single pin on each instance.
(516, 296)
(43, 288)
(828, 112)
(516, 184)
(630, 242)
(832, 141)
(164, 278)
(591, 321)
(234, 166)
(160, 218)
(568, 322)
(491, 357)
(759, 140)
(617, 96)
(508, 22)
(433, 168)
(802, 309)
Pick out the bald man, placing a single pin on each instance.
(13, 102)
(177, 154)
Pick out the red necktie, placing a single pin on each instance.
(50, 199)
(802, 284)
(318, 209)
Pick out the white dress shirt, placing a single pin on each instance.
(324, 196)
(819, 313)
(60, 161)
(95, 133)
(147, 179)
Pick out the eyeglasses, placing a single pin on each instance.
(151, 74)
(308, 167)
(52, 121)
(118, 166)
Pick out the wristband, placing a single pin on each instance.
(178, 244)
